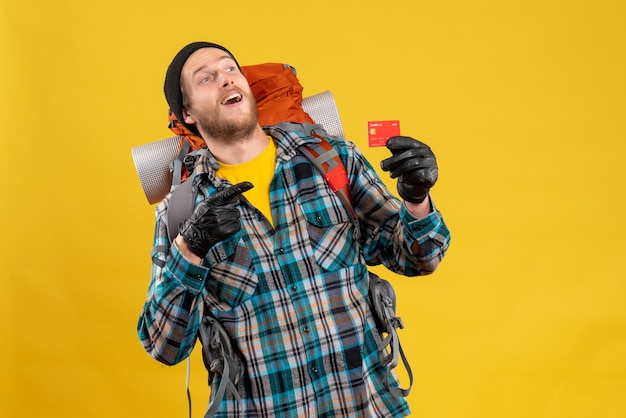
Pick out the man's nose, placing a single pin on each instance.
(226, 79)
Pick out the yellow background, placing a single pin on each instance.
(523, 103)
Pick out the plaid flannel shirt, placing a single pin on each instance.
(294, 296)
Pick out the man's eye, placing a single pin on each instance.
(205, 79)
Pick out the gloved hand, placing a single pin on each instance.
(214, 219)
(414, 165)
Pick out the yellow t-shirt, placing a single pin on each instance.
(259, 172)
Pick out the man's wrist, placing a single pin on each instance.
(419, 210)
(182, 246)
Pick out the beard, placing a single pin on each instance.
(228, 130)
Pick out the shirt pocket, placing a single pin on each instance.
(330, 230)
(232, 279)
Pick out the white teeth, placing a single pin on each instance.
(233, 98)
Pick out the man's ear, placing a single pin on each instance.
(189, 120)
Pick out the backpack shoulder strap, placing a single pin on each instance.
(180, 207)
(181, 203)
(326, 160)
(382, 299)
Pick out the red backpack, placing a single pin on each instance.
(278, 93)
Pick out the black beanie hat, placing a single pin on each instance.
(173, 94)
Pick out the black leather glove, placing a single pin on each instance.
(214, 219)
(414, 165)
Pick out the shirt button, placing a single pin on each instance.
(281, 251)
(306, 329)
(314, 370)
(294, 288)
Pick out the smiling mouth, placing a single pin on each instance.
(232, 99)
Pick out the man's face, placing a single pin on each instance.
(218, 98)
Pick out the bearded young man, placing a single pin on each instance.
(273, 255)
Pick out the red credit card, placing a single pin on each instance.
(379, 132)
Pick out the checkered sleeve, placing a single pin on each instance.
(389, 233)
(169, 321)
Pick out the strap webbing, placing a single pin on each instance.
(177, 169)
(327, 161)
(187, 375)
(180, 207)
